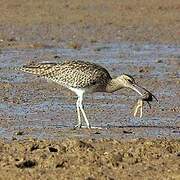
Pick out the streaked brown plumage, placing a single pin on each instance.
(75, 74)
(82, 77)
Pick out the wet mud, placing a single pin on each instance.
(45, 110)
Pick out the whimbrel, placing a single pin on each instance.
(85, 77)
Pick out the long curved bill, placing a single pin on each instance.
(141, 91)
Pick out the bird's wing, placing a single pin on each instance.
(70, 73)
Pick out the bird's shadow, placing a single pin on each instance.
(61, 126)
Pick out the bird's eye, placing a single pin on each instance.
(130, 80)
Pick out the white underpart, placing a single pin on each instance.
(79, 92)
(79, 106)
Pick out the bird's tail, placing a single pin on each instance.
(38, 69)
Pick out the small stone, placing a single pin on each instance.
(52, 149)
(26, 164)
(74, 45)
(159, 61)
(127, 132)
(90, 178)
(97, 132)
(12, 39)
(34, 147)
(93, 40)
(56, 56)
(19, 133)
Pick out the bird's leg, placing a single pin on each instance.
(79, 125)
(82, 110)
(138, 106)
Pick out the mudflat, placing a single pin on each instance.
(82, 22)
(90, 159)
(137, 37)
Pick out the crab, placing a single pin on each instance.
(147, 97)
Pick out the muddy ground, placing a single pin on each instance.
(90, 159)
(38, 140)
(63, 23)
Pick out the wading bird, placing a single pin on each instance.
(85, 77)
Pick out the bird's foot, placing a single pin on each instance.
(78, 126)
(92, 127)
(95, 127)
(89, 126)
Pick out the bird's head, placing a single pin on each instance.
(128, 81)
(125, 80)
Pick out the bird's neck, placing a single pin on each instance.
(113, 85)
